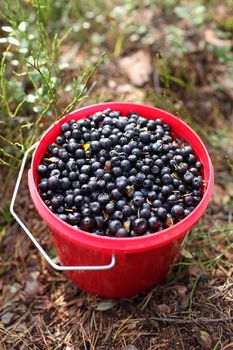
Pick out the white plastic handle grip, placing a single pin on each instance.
(36, 243)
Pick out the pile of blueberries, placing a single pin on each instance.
(121, 176)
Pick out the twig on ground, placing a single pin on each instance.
(194, 320)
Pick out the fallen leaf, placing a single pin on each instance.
(107, 166)
(181, 289)
(7, 317)
(126, 225)
(164, 309)
(86, 146)
(212, 39)
(129, 347)
(32, 287)
(52, 159)
(169, 222)
(186, 254)
(204, 339)
(130, 190)
(130, 93)
(137, 67)
(105, 215)
(105, 305)
(68, 347)
(226, 84)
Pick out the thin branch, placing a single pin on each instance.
(191, 321)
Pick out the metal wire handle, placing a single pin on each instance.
(36, 243)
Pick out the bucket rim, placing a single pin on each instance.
(128, 244)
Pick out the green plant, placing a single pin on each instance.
(191, 11)
(34, 90)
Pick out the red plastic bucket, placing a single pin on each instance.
(141, 262)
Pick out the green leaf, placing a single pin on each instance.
(186, 254)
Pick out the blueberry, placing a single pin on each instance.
(140, 226)
(145, 169)
(55, 202)
(166, 190)
(95, 165)
(186, 151)
(154, 223)
(116, 194)
(148, 184)
(188, 178)
(72, 147)
(79, 154)
(117, 171)
(197, 183)
(83, 178)
(122, 233)
(69, 200)
(106, 143)
(145, 213)
(167, 179)
(43, 186)
(155, 170)
(65, 183)
(138, 201)
(42, 170)
(65, 127)
(120, 204)
(161, 213)
(189, 201)
(110, 186)
(121, 185)
(126, 210)
(125, 165)
(140, 178)
(74, 218)
(86, 169)
(78, 200)
(64, 156)
(103, 198)
(152, 196)
(114, 226)
(95, 207)
(118, 215)
(182, 168)
(95, 146)
(99, 222)
(76, 134)
(87, 224)
(177, 211)
(53, 182)
(60, 140)
(63, 217)
(110, 207)
(132, 180)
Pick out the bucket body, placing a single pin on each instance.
(132, 274)
(141, 262)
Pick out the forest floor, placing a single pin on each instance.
(41, 309)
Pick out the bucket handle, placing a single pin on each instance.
(33, 239)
